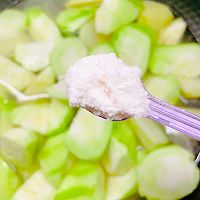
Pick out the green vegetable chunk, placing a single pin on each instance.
(114, 14)
(58, 90)
(53, 159)
(103, 48)
(14, 74)
(167, 173)
(121, 153)
(13, 19)
(150, 134)
(89, 36)
(9, 181)
(81, 3)
(190, 87)
(3, 95)
(45, 79)
(84, 181)
(41, 27)
(45, 118)
(165, 87)
(26, 173)
(66, 53)
(35, 188)
(156, 15)
(19, 146)
(88, 135)
(13, 24)
(70, 21)
(133, 46)
(5, 121)
(173, 33)
(34, 56)
(121, 187)
(6, 107)
(180, 60)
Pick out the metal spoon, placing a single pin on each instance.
(170, 116)
(19, 96)
(174, 117)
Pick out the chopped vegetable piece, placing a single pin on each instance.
(88, 135)
(84, 181)
(121, 153)
(34, 56)
(173, 33)
(41, 27)
(13, 19)
(165, 87)
(89, 36)
(45, 79)
(58, 90)
(133, 46)
(71, 161)
(45, 118)
(3, 95)
(9, 181)
(114, 14)
(117, 160)
(9, 40)
(77, 3)
(70, 20)
(190, 87)
(26, 173)
(53, 159)
(156, 14)
(141, 153)
(35, 188)
(122, 187)
(12, 32)
(167, 173)
(66, 53)
(6, 107)
(14, 74)
(180, 60)
(103, 48)
(5, 121)
(19, 146)
(150, 134)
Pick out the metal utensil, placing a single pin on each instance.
(170, 116)
(174, 117)
(19, 96)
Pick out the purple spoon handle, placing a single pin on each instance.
(174, 117)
